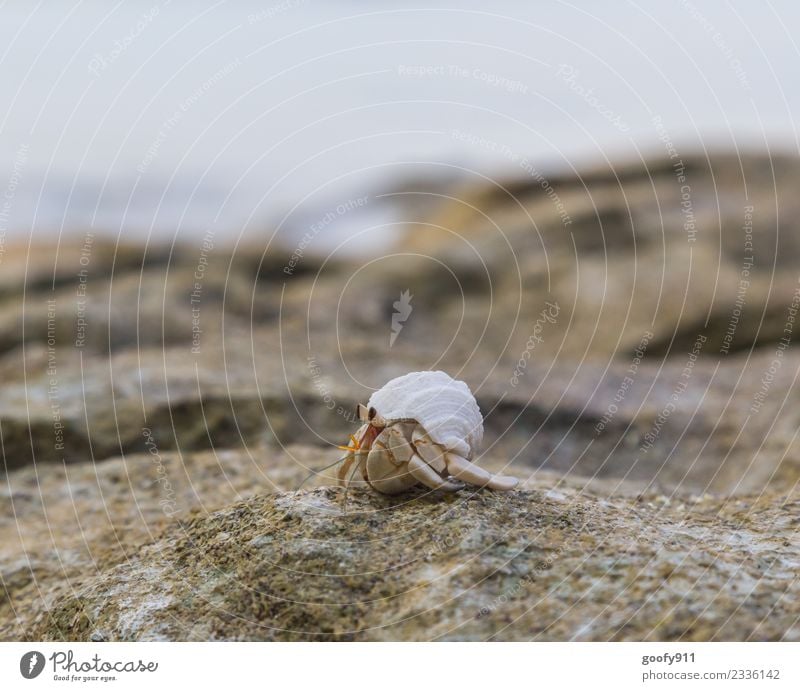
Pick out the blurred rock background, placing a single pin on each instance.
(629, 332)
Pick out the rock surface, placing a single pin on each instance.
(549, 564)
(632, 350)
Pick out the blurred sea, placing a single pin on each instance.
(170, 119)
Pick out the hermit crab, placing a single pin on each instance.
(423, 427)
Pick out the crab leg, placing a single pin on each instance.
(354, 450)
(468, 472)
(431, 453)
(341, 474)
(386, 477)
(387, 469)
(427, 476)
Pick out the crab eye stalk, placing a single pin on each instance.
(372, 413)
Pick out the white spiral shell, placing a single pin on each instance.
(443, 406)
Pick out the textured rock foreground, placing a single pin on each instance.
(536, 564)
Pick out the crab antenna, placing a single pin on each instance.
(317, 472)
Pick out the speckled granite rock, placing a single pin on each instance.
(62, 524)
(532, 565)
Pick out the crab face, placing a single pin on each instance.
(420, 428)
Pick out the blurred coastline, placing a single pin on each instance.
(163, 121)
